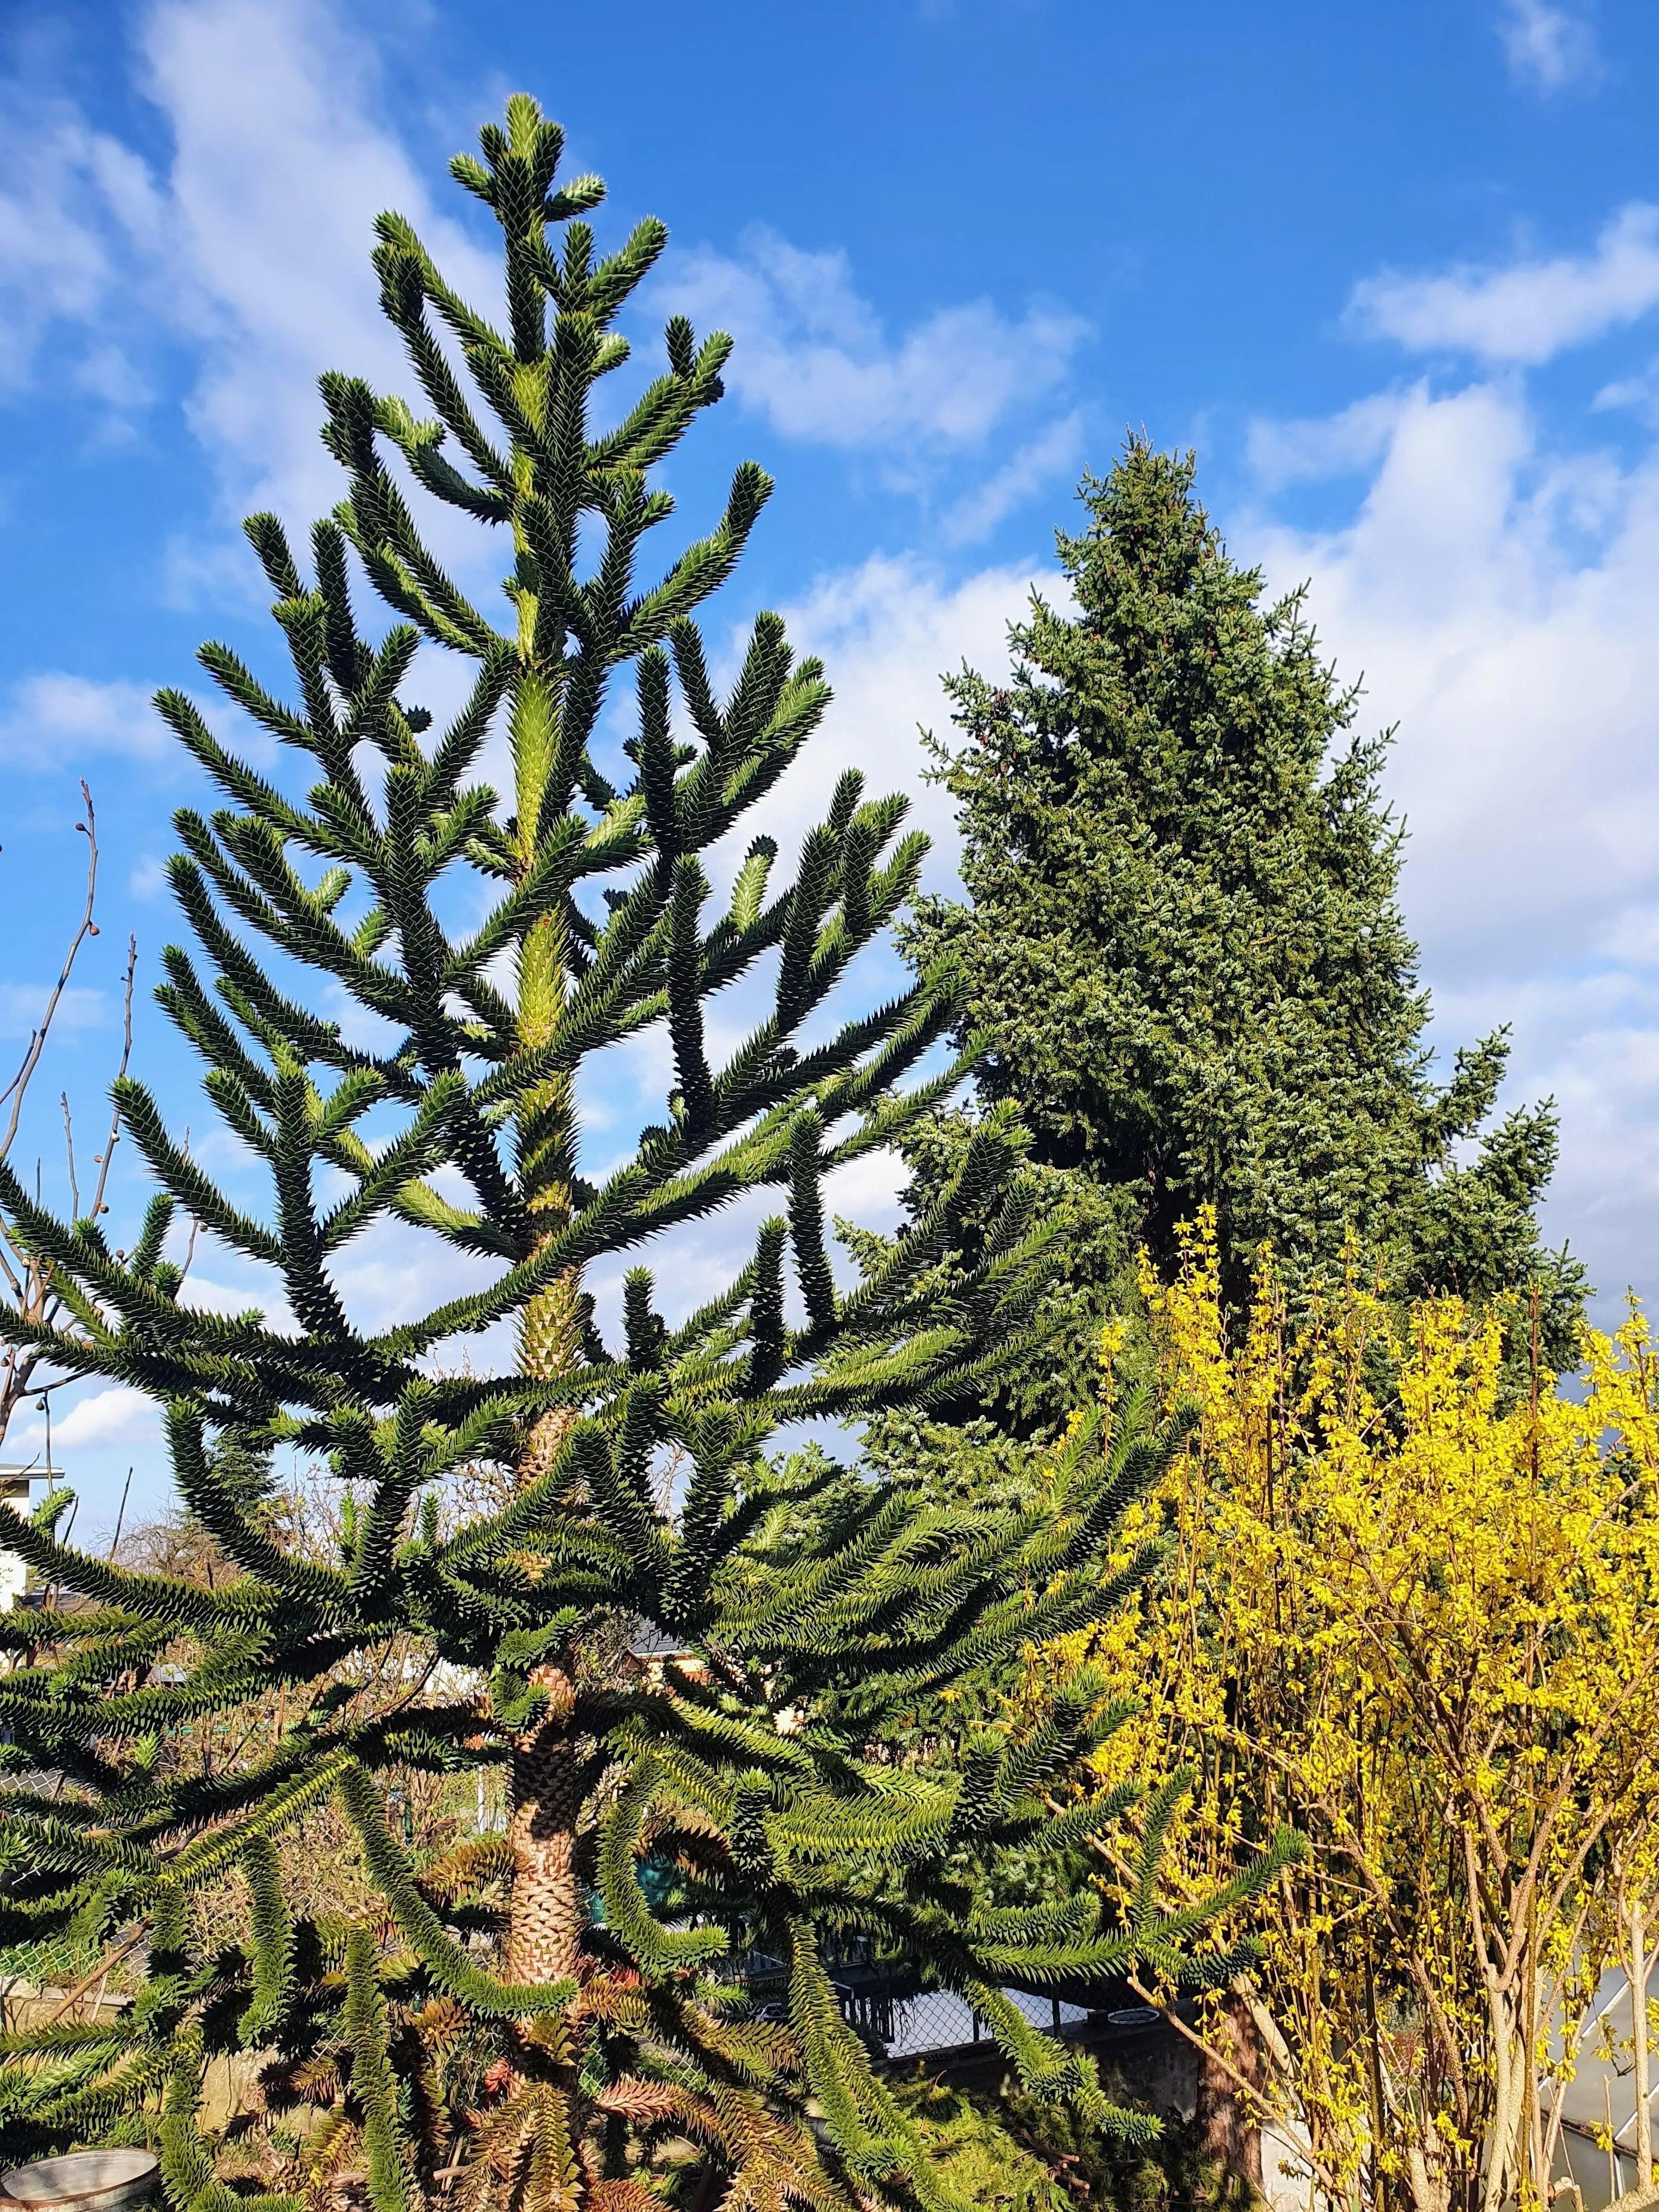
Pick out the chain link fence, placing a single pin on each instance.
(898, 2021)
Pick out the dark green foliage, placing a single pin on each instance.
(1107, 2172)
(968, 2141)
(759, 1767)
(1182, 942)
(1006, 2149)
(1090, 1280)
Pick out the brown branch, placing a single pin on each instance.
(29, 1280)
(114, 1136)
(17, 1089)
(1263, 2109)
(68, 1149)
(112, 1958)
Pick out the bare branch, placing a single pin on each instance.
(17, 1090)
(114, 1136)
(27, 1280)
(69, 1148)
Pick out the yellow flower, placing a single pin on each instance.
(1415, 1612)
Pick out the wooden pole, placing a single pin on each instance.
(1639, 2022)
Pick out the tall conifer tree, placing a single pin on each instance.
(1182, 941)
(561, 1981)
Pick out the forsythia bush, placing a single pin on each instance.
(1414, 1612)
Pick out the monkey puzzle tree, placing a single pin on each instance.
(538, 1981)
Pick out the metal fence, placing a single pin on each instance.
(897, 2020)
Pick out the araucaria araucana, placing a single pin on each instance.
(538, 2017)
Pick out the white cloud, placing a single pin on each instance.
(277, 174)
(887, 631)
(250, 244)
(1527, 311)
(1285, 453)
(109, 374)
(1054, 452)
(261, 1292)
(121, 1415)
(22, 1005)
(1639, 394)
(1547, 47)
(55, 718)
(203, 1294)
(1497, 596)
(1523, 673)
(813, 356)
(73, 205)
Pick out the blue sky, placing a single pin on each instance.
(1394, 273)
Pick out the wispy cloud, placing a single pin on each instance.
(277, 172)
(888, 630)
(1639, 394)
(69, 207)
(1549, 47)
(1527, 311)
(22, 1005)
(55, 718)
(1321, 446)
(147, 879)
(1055, 451)
(246, 248)
(249, 243)
(814, 357)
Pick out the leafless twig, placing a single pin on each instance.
(17, 1090)
(121, 1513)
(27, 1278)
(69, 1148)
(104, 1157)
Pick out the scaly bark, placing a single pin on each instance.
(544, 1923)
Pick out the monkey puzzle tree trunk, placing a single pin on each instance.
(544, 1783)
(544, 1776)
(543, 1942)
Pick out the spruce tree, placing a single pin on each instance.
(551, 2011)
(1181, 939)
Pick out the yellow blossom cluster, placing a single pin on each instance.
(1410, 1608)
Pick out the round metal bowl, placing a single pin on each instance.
(84, 2181)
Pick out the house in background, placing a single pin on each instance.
(15, 1490)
